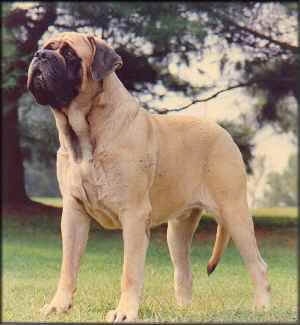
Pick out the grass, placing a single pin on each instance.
(53, 201)
(276, 216)
(31, 263)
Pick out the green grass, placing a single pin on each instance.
(276, 216)
(276, 212)
(53, 201)
(31, 263)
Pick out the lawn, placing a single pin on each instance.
(276, 216)
(31, 263)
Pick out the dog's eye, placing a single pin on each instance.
(67, 52)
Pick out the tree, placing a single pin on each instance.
(267, 33)
(256, 179)
(282, 187)
(39, 143)
(276, 91)
(148, 36)
(21, 34)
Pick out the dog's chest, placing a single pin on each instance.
(98, 185)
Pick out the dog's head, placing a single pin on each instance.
(66, 65)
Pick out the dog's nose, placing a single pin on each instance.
(41, 54)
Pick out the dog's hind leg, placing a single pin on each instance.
(238, 221)
(179, 235)
(226, 183)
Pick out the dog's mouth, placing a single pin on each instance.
(38, 86)
(38, 81)
(35, 79)
(52, 82)
(37, 74)
(46, 86)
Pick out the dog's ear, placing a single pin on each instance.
(105, 59)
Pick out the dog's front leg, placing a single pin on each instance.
(75, 225)
(136, 232)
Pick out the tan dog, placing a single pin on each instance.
(132, 170)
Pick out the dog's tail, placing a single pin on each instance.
(222, 240)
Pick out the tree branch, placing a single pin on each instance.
(71, 27)
(283, 45)
(195, 101)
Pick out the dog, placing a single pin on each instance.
(132, 170)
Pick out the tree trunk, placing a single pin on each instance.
(13, 185)
(15, 202)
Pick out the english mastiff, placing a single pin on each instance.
(132, 170)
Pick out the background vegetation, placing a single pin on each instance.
(158, 42)
(151, 38)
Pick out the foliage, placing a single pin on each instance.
(277, 89)
(149, 36)
(21, 30)
(162, 32)
(39, 143)
(37, 126)
(259, 170)
(267, 35)
(282, 187)
(22, 27)
(243, 136)
(9, 54)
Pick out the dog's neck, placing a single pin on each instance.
(93, 120)
(112, 112)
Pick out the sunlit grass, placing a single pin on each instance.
(31, 263)
(285, 216)
(53, 201)
(291, 212)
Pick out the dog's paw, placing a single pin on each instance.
(61, 303)
(183, 301)
(121, 316)
(261, 306)
(262, 302)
